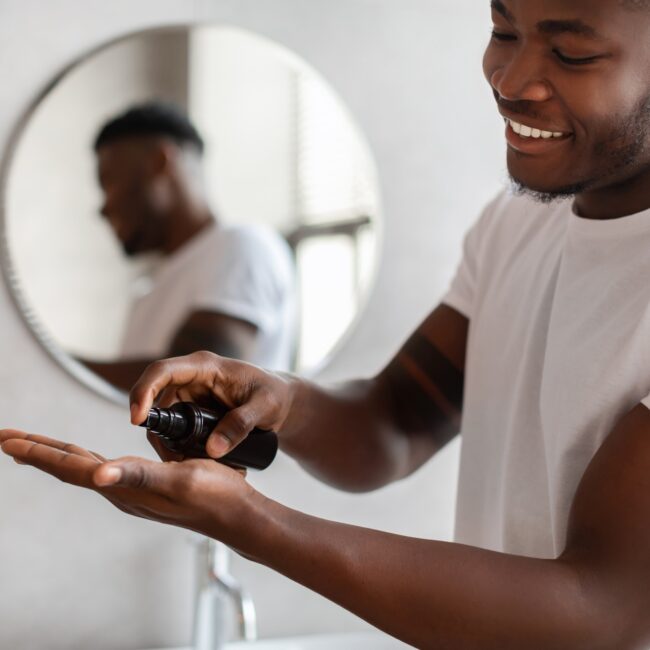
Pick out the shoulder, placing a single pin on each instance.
(256, 251)
(510, 219)
(260, 239)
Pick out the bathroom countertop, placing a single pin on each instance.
(358, 641)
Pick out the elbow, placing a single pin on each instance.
(370, 467)
(359, 479)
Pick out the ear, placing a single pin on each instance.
(162, 158)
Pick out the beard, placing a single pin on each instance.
(621, 150)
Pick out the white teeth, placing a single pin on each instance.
(529, 132)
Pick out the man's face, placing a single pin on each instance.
(578, 72)
(127, 177)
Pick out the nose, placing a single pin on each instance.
(521, 78)
(110, 209)
(112, 218)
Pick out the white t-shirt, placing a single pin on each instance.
(246, 272)
(558, 352)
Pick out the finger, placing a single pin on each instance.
(10, 434)
(178, 371)
(96, 456)
(137, 473)
(234, 426)
(162, 451)
(68, 467)
(50, 442)
(168, 396)
(201, 395)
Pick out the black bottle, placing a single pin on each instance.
(186, 427)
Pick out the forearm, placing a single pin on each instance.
(430, 594)
(344, 434)
(228, 337)
(365, 434)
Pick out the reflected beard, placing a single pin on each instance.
(148, 236)
(133, 246)
(633, 131)
(130, 247)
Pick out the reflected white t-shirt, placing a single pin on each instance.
(558, 352)
(243, 271)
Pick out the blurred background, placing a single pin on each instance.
(362, 130)
(281, 150)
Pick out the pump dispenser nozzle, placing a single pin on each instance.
(186, 427)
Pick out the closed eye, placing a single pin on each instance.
(571, 61)
(500, 36)
(503, 37)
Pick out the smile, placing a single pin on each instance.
(525, 131)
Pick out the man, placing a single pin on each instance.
(228, 289)
(541, 344)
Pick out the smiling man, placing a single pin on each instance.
(539, 354)
(584, 129)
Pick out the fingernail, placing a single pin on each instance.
(218, 445)
(111, 476)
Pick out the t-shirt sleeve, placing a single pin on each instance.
(461, 294)
(247, 278)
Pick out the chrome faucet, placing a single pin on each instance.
(222, 607)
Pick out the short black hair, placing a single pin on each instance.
(151, 118)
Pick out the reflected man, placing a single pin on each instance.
(224, 288)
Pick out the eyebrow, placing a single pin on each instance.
(499, 7)
(553, 27)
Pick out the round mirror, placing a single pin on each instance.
(272, 158)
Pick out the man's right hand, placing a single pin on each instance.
(388, 425)
(257, 398)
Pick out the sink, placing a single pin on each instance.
(361, 641)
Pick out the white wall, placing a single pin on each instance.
(76, 574)
(85, 312)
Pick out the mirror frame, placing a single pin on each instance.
(87, 378)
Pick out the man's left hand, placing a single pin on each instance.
(198, 494)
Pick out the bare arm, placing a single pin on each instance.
(367, 433)
(449, 596)
(203, 330)
(357, 436)
(434, 595)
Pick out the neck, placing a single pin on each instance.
(615, 201)
(186, 221)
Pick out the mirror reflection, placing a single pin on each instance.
(190, 188)
(229, 289)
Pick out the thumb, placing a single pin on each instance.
(136, 473)
(232, 428)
